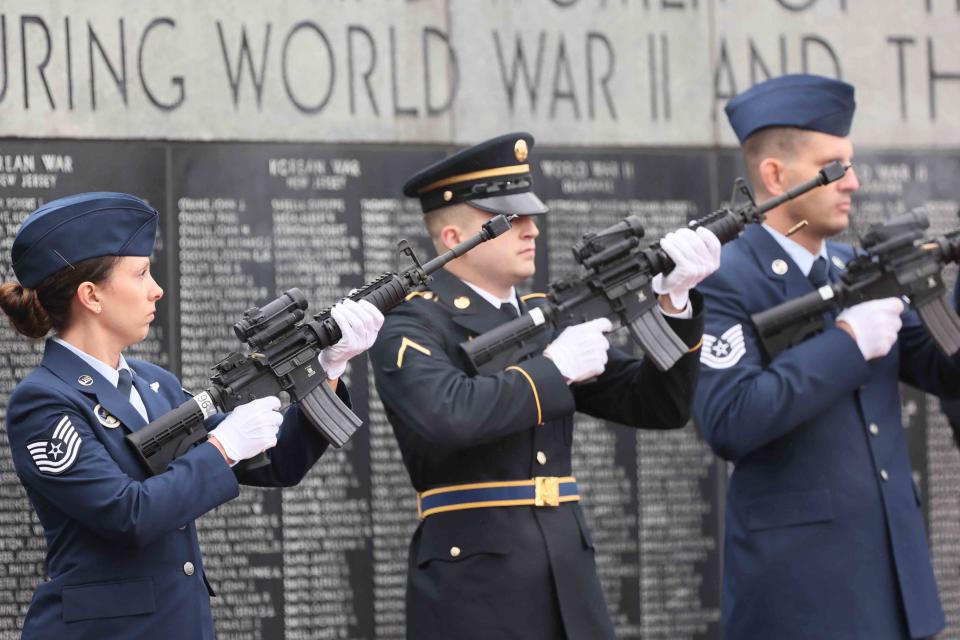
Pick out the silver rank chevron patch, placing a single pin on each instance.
(725, 351)
(57, 454)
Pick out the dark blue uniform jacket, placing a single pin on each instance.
(122, 553)
(824, 529)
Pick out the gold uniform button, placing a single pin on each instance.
(874, 429)
(428, 295)
(455, 552)
(884, 475)
(461, 302)
(541, 457)
(188, 568)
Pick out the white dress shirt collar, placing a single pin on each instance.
(108, 372)
(101, 367)
(800, 255)
(494, 300)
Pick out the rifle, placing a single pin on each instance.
(617, 285)
(283, 358)
(896, 263)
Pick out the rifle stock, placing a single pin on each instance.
(172, 434)
(490, 351)
(795, 320)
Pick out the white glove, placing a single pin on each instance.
(696, 254)
(359, 322)
(580, 351)
(875, 325)
(250, 428)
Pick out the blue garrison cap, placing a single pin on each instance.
(64, 232)
(804, 101)
(493, 175)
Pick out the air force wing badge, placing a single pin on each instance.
(725, 351)
(56, 455)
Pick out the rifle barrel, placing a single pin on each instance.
(830, 173)
(727, 225)
(494, 227)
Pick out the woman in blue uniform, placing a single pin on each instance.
(122, 553)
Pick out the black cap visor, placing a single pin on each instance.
(523, 204)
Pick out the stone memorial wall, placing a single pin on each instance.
(274, 138)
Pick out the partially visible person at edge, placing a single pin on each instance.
(122, 553)
(474, 444)
(824, 533)
(951, 407)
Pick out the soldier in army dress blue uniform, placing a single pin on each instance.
(122, 553)
(503, 549)
(824, 534)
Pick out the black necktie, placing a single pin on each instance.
(509, 310)
(125, 383)
(818, 272)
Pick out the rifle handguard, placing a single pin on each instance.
(388, 294)
(390, 289)
(727, 224)
(726, 228)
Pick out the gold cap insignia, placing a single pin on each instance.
(462, 302)
(520, 150)
(104, 418)
(779, 267)
(447, 195)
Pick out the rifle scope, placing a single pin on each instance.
(260, 325)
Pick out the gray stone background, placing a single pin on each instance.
(579, 72)
(186, 101)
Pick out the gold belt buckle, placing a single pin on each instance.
(547, 491)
